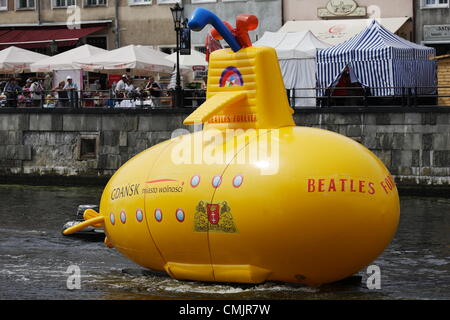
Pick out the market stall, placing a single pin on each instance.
(381, 60)
(297, 57)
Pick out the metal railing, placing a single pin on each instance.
(99, 99)
(367, 97)
(192, 98)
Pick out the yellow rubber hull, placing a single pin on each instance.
(310, 206)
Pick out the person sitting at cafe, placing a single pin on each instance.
(11, 91)
(37, 91)
(119, 89)
(154, 89)
(47, 83)
(61, 94)
(130, 89)
(25, 97)
(72, 91)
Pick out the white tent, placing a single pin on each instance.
(188, 64)
(17, 60)
(297, 57)
(136, 57)
(195, 59)
(63, 61)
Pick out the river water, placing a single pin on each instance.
(34, 257)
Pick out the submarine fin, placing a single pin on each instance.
(213, 105)
(108, 243)
(90, 214)
(84, 224)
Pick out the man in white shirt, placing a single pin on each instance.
(36, 90)
(119, 90)
(72, 91)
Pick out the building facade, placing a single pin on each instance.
(51, 26)
(433, 24)
(269, 13)
(104, 23)
(344, 9)
(336, 15)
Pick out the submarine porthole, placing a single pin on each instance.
(123, 217)
(139, 215)
(180, 215)
(195, 181)
(112, 218)
(216, 181)
(158, 215)
(237, 181)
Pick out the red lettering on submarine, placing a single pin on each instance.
(341, 185)
(349, 185)
(233, 118)
(388, 184)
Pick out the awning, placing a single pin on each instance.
(337, 31)
(42, 37)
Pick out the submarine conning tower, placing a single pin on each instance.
(245, 87)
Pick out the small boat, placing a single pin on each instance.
(90, 232)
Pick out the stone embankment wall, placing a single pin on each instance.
(89, 145)
(414, 145)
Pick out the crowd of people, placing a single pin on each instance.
(123, 93)
(35, 92)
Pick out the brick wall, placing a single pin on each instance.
(444, 80)
(414, 146)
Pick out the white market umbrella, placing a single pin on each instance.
(140, 58)
(195, 59)
(17, 60)
(64, 60)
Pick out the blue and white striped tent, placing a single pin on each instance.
(381, 60)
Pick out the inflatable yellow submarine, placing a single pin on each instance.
(251, 197)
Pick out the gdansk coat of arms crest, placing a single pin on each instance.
(214, 217)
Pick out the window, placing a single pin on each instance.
(93, 3)
(97, 41)
(3, 5)
(435, 3)
(202, 1)
(25, 4)
(168, 1)
(138, 2)
(63, 3)
(87, 147)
